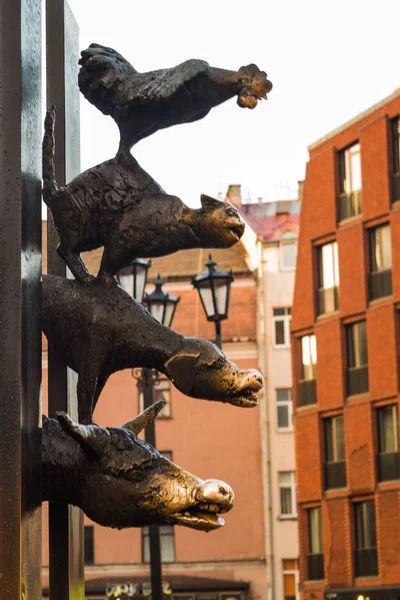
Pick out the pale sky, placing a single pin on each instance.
(328, 61)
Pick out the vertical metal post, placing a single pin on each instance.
(154, 534)
(65, 522)
(218, 338)
(20, 273)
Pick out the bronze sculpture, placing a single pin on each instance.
(142, 103)
(99, 329)
(121, 481)
(119, 206)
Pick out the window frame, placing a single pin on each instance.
(286, 318)
(166, 412)
(88, 550)
(395, 427)
(296, 574)
(284, 403)
(346, 168)
(323, 275)
(319, 534)
(292, 487)
(331, 425)
(165, 531)
(311, 366)
(288, 238)
(395, 126)
(372, 248)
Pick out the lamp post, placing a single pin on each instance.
(162, 306)
(214, 287)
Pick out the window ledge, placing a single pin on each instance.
(284, 430)
(339, 492)
(355, 396)
(306, 406)
(288, 518)
(333, 313)
(381, 299)
(350, 220)
(282, 347)
(389, 483)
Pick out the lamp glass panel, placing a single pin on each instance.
(221, 296)
(207, 298)
(126, 281)
(169, 313)
(157, 310)
(141, 275)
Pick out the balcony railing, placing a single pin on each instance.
(396, 187)
(307, 392)
(357, 380)
(335, 475)
(366, 562)
(388, 466)
(349, 205)
(380, 284)
(315, 566)
(327, 300)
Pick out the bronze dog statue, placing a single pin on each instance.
(99, 329)
(142, 103)
(119, 206)
(119, 480)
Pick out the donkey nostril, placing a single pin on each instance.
(222, 491)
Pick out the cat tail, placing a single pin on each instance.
(50, 187)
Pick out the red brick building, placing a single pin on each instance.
(345, 328)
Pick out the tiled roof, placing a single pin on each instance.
(271, 228)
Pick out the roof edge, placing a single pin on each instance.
(354, 120)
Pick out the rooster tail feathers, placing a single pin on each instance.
(48, 150)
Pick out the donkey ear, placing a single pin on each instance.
(92, 437)
(180, 370)
(147, 416)
(209, 204)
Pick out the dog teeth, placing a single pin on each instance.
(187, 514)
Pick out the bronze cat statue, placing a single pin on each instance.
(119, 206)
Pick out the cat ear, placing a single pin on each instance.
(209, 204)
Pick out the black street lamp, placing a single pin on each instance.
(162, 306)
(214, 288)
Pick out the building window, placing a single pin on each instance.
(290, 579)
(161, 391)
(335, 465)
(396, 159)
(388, 443)
(315, 557)
(287, 491)
(380, 262)
(328, 278)
(357, 359)
(167, 544)
(288, 250)
(281, 319)
(89, 544)
(365, 554)
(284, 409)
(349, 203)
(307, 386)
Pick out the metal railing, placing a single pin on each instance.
(366, 562)
(357, 380)
(396, 187)
(349, 205)
(380, 284)
(335, 475)
(315, 566)
(307, 392)
(327, 300)
(388, 466)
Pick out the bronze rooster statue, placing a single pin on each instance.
(142, 103)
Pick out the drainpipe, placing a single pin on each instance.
(265, 428)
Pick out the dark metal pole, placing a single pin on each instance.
(218, 338)
(66, 568)
(154, 534)
(20, 273)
